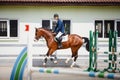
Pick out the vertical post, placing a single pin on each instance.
(110, 40)
(115, 50)
(29, 54)
(115, 40)
(110, 49)
(96, 47)
(91, 53)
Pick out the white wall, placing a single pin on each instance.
(82, 18)
(80, 15)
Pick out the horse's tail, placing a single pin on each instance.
(86, 41)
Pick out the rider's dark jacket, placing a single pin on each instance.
(59, 27)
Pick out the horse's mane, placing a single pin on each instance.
(49, 30)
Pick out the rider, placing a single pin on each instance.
(59, 30)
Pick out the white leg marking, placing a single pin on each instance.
(72, 64)
(55, 61)
(73, 59)
(46, 57)
(44, 64)
(67, 60)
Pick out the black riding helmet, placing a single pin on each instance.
(56, 15)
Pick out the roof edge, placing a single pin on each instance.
(61, 3)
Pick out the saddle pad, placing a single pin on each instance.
(64, 38)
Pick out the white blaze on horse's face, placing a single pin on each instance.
(37, 34)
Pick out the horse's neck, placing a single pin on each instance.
(48, 36)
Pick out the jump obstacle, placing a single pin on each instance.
(32, 69)
(22, 60)
(26, 58)
(112, 53)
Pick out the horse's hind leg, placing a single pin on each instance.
(74, 55)
(74, 58)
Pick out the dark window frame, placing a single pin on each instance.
(11, 26)
(104, 28)
(99, 26)
(108, 25)
(3, 28)
(67, 25)
(52, 24)
(118, 27)
(46, 24)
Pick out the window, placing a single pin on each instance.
(8, 28)
(51, 24)
(108, 25)
(13, 28)
(67, 24)
(46, 24)
(3, 29)
(54, 23)
(99, 26)
(103, 27)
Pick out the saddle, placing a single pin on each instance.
(63, 38)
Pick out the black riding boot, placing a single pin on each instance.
(59, 42)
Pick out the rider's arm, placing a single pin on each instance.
(55, 29)
(59, 26)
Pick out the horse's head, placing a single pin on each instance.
(38, 34)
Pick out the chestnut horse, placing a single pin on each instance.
(74, 42)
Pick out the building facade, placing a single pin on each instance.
(79, 17)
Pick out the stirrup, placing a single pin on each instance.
(60, 45)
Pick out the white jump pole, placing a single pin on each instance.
(74, 72)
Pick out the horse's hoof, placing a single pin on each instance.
(71, 66)
(55, 62)
(66, 62)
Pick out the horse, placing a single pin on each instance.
(74, 42)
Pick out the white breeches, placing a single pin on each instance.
(59, 34)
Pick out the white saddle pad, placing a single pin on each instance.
(64, 38)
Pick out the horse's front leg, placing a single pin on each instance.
(67, 60)
(55, 57)
(45, 60)
(55, 60)
(49, 53)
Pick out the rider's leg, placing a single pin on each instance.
(59, 39)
